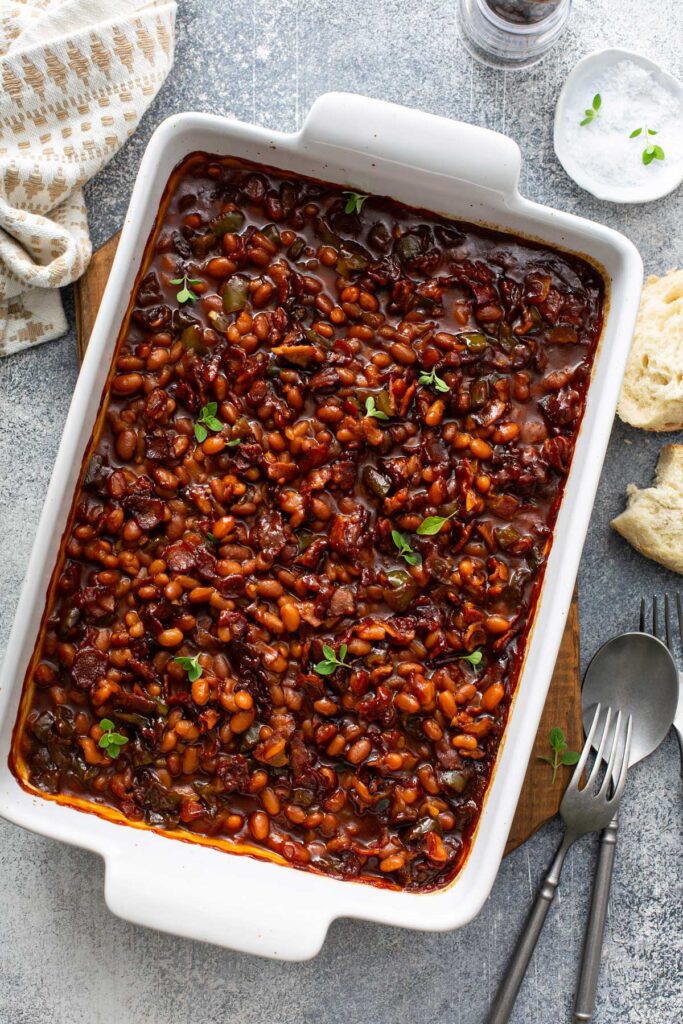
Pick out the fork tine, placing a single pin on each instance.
(585, 751)
(667, 623)
(654, 616)
(642, 615)
(599, 757)
(620, 779)
(618, 738)
(679, 609)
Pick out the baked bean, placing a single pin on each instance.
(269, 588)
(190, 760)
(165, 478)
(220, 266)
(241, 721)
(44, 674)
(497, 624)
(328, 256)
(259, 825)
(435, 412)
(126, 383)
(406, 702)
(270, 801)
(291, 618)
(126, 444)
(480, 449)
(393, 863)
(213, 445)
(262, 295)
(359, 751)
(492, 696)
(403, 353)
(432, 729)
(447, 703)
(506, 432)
(200, 691)
(170, 637)
(463, 742)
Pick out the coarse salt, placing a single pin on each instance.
(631, 97)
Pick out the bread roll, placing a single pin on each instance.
(652, 392)
(653, 520)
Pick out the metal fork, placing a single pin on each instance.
(583, 810)
(644, 628)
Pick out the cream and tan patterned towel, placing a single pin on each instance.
(75, 78)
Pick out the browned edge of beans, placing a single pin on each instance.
(255, 545)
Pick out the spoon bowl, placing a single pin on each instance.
(635, 673)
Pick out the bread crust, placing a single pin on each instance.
(652, 392)
(652, 522)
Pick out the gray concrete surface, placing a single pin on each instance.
(63, 958)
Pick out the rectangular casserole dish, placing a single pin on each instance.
(460, 171)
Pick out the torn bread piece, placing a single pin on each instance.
(652, 392)
(653, 520)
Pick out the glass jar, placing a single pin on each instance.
(511, 33)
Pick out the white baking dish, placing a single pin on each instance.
(455, 169)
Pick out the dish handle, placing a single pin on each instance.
(266, 917)
(395, 134)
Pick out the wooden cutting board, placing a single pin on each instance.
(539, 800)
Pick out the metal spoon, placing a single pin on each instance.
(635, 673)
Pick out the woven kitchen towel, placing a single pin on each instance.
(75, 78)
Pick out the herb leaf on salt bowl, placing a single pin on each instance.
(601, 155)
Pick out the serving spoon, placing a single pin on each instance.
(635, 673)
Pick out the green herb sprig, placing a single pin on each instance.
(207, 421)
(191, 666)
(474, 657)
(652, 151)
(111, 741)
(560, 756)
(432, 380)
(592, 111)
(354, 201)
(331, 662)
(404, 549)
(186, 294)
(432, 524)
(372, 410)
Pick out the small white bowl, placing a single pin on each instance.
(580, 82)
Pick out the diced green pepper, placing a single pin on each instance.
(375, 482)
(272, 233)
(455, 780)
(228, 222)
(235, 294)
(192, 339)
(403, 590)
(383, 402)
(479, 393)
(506, 536)
(475, 340)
